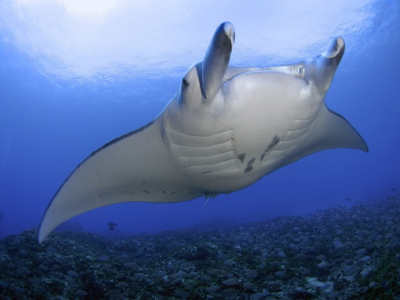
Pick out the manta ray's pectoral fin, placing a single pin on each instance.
(134, 167)
(329, 131)
(216, 60)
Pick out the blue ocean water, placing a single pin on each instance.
(74, 76)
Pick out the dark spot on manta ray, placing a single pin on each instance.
(248, 169)
(163, 192)
(124, 192)
(274, 141)
(249, 165)
(242, 157)
(262, 156)
(172, 193)
(147, 192)
(143, 181)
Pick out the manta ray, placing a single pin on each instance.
(225, 128)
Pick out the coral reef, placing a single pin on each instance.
(338, 253)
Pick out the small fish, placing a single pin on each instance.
(349, 199)
(393, 189)
(112, 225)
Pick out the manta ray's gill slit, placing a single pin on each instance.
(281, 147)
(184, 139)
(228, 142)
(228, 166)
(229, 154)
(196, 151)
(302, 123)
(203, 154)
(228, 132)
(207, 161)
(295, 135)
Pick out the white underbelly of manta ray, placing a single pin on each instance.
(225, 129)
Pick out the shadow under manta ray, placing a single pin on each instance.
(225, 129)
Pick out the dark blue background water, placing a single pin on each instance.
(74, 76)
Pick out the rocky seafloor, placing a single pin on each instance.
(338, 253)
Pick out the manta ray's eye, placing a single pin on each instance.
(185, 83)
(301, 72)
